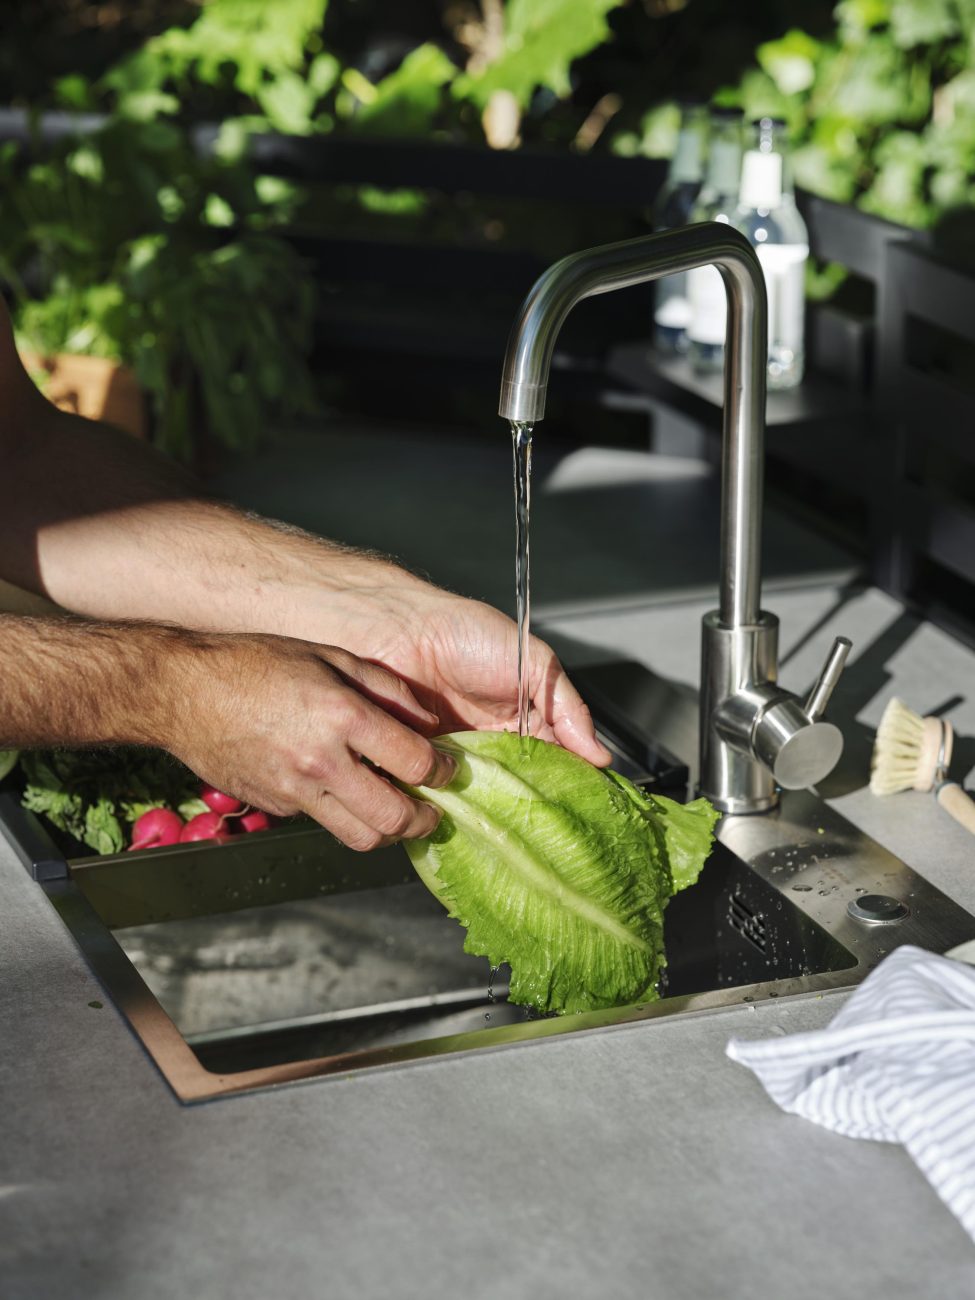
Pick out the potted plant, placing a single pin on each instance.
(155, 270)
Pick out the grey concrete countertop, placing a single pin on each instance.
(632, 1162)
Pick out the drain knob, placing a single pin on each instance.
(878, 909)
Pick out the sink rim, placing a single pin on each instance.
(192, 1082)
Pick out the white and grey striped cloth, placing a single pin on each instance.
(896, 1064)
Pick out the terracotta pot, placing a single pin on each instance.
(93, 387)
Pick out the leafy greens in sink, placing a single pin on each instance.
(559, 869)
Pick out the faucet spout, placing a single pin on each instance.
(634, 261)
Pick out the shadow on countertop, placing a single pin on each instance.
(608, 525)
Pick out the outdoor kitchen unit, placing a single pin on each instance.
(793, 901)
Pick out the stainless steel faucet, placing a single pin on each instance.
(754, 735)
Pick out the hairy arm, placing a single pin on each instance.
(68, 682)
(104, 526)
(107, 528)
(282, 724)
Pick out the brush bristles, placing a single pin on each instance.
(897, 750)
(905, 752)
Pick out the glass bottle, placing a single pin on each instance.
(768, 216)
(717, 201)
(672, 208)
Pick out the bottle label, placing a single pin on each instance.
(784, 266)
(708, 305)
(761, 180)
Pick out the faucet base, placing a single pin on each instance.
(741, 807)
(737, 665)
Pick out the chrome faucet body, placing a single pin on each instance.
(754, 736)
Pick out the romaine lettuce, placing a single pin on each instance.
(559, 869)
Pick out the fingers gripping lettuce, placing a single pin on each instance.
(558, 868)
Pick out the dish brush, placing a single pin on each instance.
(913, 753)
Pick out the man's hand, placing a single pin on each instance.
(285, 725)
(282, 724)
(461, 659)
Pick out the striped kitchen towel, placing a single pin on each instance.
(896, 1064)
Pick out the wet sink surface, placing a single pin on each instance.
(386, 967)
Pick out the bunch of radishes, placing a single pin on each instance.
(224, 818)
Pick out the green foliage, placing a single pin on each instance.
(542, 39)
(403, 103)
(264, 47)
(264, 64)
(143, 252)
(94, 795)
(883, 113)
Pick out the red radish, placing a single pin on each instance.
(156, 827)
(205, 826)
(219, 802)
(255, 820)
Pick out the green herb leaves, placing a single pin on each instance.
(559, 869)
(94, 794)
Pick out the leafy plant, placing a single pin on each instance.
(268, 61)
(129, 245)
(559, 869)
(881, 112)
(93, 795)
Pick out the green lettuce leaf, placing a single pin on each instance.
(103, 830)
(559, 869)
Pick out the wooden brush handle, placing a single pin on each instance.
(958, 804)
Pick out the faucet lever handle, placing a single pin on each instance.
(818, 697)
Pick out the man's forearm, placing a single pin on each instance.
(105, 527)
(68, 682)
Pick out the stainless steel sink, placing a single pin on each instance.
(284, 956)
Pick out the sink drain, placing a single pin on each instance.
(878, 909)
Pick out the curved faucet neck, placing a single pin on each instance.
(635, 261)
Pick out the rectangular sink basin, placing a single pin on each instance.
(385, 968)
(284, 956)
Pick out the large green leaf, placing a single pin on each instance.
(404, 102)
(559, 869)
(256, 40)
(791, 61)
(923, 22)
(542, 40)
(881, 86)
